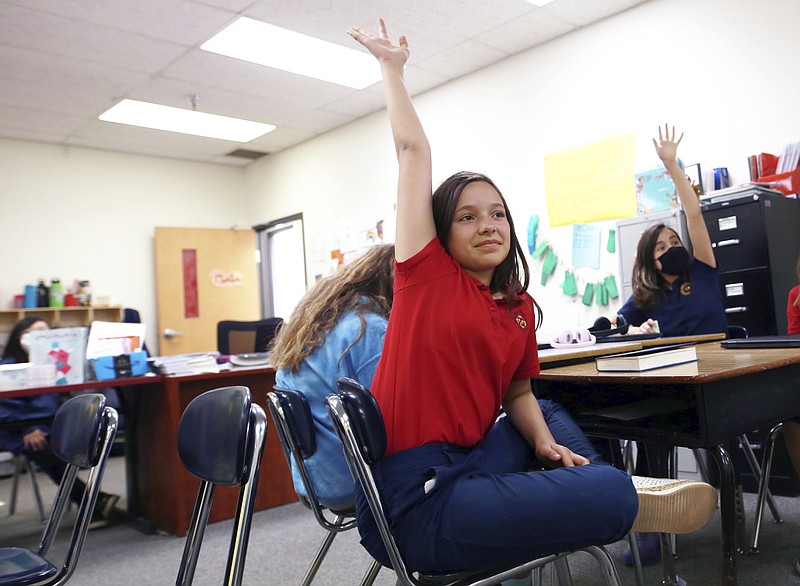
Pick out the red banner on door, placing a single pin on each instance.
(191, 306)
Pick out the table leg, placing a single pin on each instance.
(727, 498)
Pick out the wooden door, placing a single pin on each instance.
(203, 276)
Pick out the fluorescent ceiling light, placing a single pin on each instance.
(265, 44)
(135, 113)
(540, 3)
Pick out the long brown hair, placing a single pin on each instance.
(647, 282)
(363, 285)
(512, 276)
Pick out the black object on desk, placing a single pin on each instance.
(792, 341)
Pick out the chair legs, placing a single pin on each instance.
(763, 485)
(311, 572)
(23, 464)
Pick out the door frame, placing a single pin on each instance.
(263, 232)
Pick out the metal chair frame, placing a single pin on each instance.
(242, 469)
(348, 411)
(289, 419)
(23, 464)
(82, 433)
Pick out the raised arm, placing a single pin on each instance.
(667, 149)
(415, 227)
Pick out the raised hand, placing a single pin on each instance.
(380, 46)
(667, 147)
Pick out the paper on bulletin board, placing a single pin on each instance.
(586, 246)
(591, 182)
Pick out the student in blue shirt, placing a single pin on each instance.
(336, 330)
(678, 290)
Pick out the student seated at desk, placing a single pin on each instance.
(336, 330)
(678, 290)
(32, 438)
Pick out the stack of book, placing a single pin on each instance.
(198, 363)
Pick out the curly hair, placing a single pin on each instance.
(363, 285)
(647, 281)
(512, 276)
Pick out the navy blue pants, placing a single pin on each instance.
(486, 509)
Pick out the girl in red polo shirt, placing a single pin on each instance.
(460, 345)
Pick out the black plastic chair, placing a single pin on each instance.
(244, 337)
(221, 440)
(81, 434)
(292, 416)
(359, 425)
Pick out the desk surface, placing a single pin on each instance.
(713, 363)
(97, 384)
(552, 357)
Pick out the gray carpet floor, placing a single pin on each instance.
(284, 539)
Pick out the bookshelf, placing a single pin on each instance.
(61, 317)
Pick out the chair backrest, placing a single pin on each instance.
(736, 332)
(293, 420)
(82, 433)
(243, 337)
(221, 440)
(212, 435)
(366, 418)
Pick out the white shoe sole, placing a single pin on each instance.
(673, 506)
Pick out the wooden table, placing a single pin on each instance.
(697, 405)
(159, 490)
(163, 492)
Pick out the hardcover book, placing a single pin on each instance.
(647, 359)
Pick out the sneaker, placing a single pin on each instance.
(649, 549)
(673, 506)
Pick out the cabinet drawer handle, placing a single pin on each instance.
(741, 309)
(730, 242)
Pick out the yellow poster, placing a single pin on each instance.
(591, 182)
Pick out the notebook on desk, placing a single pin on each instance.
(783, 341)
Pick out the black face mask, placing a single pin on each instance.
(675, 261)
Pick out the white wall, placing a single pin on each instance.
(81, 214)
(722, 70)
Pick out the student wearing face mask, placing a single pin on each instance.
(678, 290)
(33, 413)
(674, 288)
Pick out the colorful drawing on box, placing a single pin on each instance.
(655, 192)
(61, 359)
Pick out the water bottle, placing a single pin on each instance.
(42, 294)
(56, 294)
(29, 301)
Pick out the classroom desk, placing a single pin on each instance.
(697, 405)
(164, 493)
(159, 490)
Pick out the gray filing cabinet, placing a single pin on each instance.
(628, 232)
